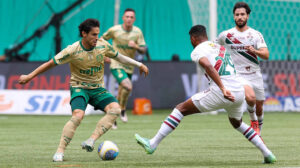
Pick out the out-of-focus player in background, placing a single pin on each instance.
(245, 45)
(86, 59)
(127, 39)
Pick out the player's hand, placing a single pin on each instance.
(107, 60)
(227, 95)
(144, 68)
(132, 44)
(250, 49)
(24, 79)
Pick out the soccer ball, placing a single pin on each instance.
(108, 150)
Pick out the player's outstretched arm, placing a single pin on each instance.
(213, 74)
(42, 68)
(126, 60)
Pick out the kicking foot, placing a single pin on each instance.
(255, 126)
(88, 145)
(145, 143)
(123, 116)
(58, 157)
(270, 159)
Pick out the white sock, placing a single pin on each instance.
(170, 123)
(251, 135)
(260, 121)
(251, 112)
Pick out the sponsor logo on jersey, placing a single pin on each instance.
(230, 39)
(90, 71)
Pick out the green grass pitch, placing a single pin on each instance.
(199, 141)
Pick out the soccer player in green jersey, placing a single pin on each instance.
(127, 39)
(85, 58)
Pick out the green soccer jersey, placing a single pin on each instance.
(120, 39)
(87, 66)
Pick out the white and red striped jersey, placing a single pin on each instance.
(235, 41)
(220, 59)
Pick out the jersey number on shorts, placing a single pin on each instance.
(224, 63)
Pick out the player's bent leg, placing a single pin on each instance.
(68, 133)
(125, 90)
(251, 99)
(249, 95)
(187, 107)
(104, 124)
(78, 105)
(169, 124)
(119, 93)
(69, 130)
(259, 112)
(115, 125)
(252, 136)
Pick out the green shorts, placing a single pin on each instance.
(99, 98)
(120, 74)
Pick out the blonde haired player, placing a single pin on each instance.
(86, 60)
(127, 39)
(245, 45)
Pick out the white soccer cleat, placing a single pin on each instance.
(88, 145)
(123, 116)
(58, 157)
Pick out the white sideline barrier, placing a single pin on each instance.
(38, 102)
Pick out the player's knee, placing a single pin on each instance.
(235, 122)
(250, 95)
(183, 109)
(128, 88)
(127, 85)
(180, 107)
(78, 113)
(76, 120)
(250, 99)
(114, 112)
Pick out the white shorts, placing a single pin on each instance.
(211, 100)
(255, 81)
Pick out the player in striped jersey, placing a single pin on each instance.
(246, 45)
(225, 92)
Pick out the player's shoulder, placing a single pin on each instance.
(118, 26)
(254, 31)
(208, 44)
(205, 46)
(225, 32)
(102, 42)
(73, 46)
(115, 28)
(256, 34)
(136, 29)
